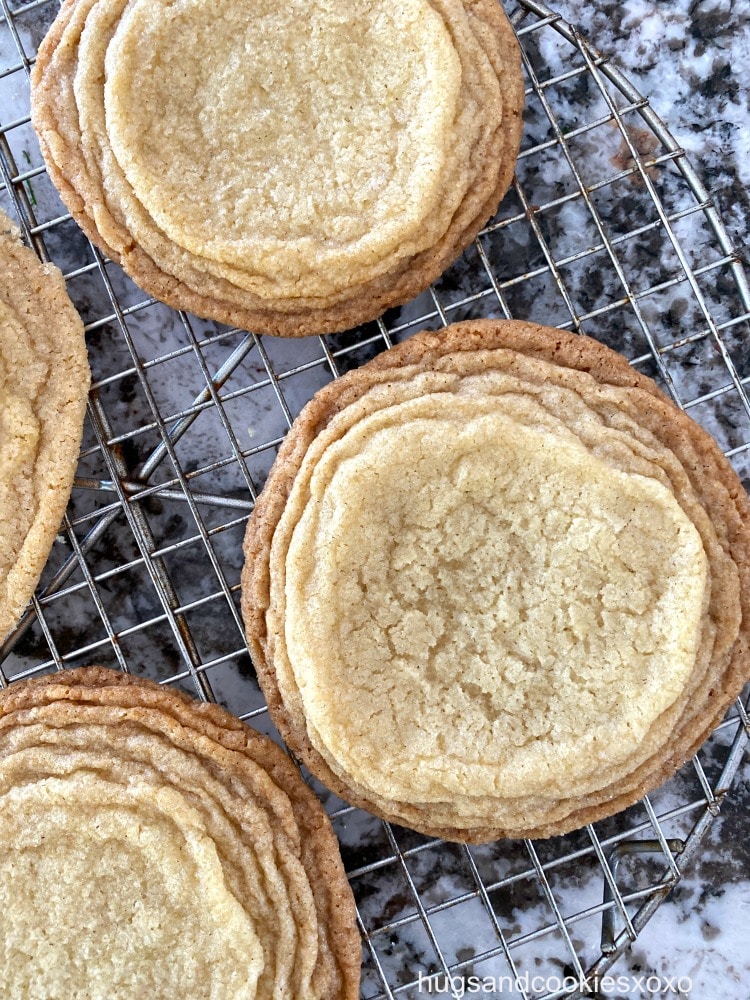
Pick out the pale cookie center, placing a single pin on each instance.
(475, 606)
(312, 128)
(120, 889)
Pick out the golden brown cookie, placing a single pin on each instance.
(44, 381)
(315, 166)
(157, 846)
(497, 584)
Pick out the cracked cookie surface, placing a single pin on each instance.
(496, 583)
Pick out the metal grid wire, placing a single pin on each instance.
(607, 230)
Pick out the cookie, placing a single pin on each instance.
(44, 381)
(497, 584)
(157, 846)
(313, 167)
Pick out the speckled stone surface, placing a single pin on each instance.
(606, 266)
(691, 59)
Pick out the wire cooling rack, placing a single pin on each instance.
(606, 230)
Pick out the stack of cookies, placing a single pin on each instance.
(44, 380)
(289, 168)
(153, 846)
(497, 584)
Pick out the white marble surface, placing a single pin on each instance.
(691, 60)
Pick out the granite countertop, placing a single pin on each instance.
(689, 59)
